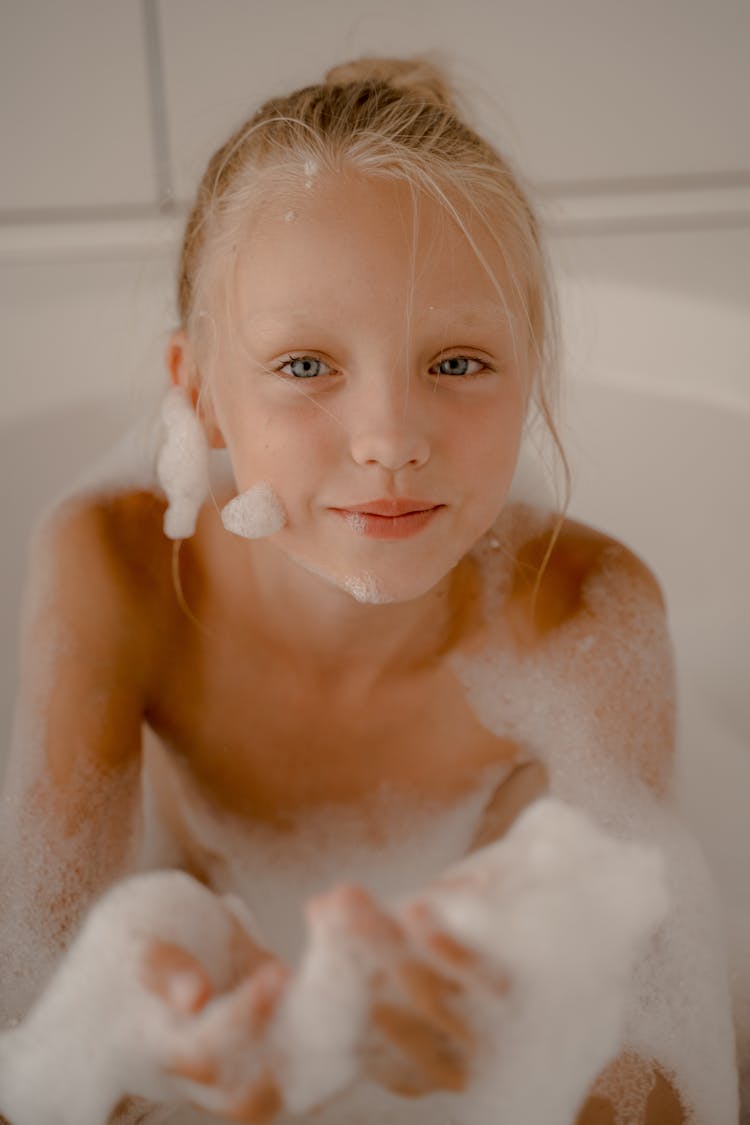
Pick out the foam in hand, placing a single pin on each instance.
(559, 908)
(97, 1032)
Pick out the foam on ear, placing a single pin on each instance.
(182, 465)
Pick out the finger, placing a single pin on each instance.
(387, 1066)
(261, 1104)
(363, 914)
(457, 956)
(430, 1050)
(203, 1071)
(173, 974)
(248, 1009)
(431, 993)
(425, 927)
(369, 919)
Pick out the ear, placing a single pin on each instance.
(184, 372)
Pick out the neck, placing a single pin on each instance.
(317, 630)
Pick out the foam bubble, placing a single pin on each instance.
(356, 522)
(182, 465)
(311, 169)
(604, 753)
(254, 514)
(364, 588)
(561, 909)
(90, 1059)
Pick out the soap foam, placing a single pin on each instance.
(685, 1026)
(182, 465)
(559, 907)
(123, 1037)
(364, 588)
(561, 910)
(254, 514)
(600, 753)
(356, 522)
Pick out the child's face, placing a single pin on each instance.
(407, 385)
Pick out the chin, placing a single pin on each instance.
(383, 585)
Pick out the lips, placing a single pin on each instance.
(399, 507)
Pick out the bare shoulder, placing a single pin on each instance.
(110, 533)
(99, 561)
(605, 606)
(556, 569)
(86, 662)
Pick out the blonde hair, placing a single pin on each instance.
(391, 118)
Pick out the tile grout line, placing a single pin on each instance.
(157, 104)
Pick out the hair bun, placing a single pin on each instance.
(418, 75)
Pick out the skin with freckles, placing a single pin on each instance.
(371, 357)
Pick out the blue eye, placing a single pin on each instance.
(461, 361)
(304, 365)
(308, 366)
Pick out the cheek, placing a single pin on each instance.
(288, 445)
(488, 444)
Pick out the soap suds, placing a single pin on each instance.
(182, 464)
(255, 513)
(552, 706)
(522, 905)
(365, 588)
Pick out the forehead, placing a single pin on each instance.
(348, 239)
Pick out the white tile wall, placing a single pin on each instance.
(79, 330)
(597, 100)
(575, 91)
(74, 105)
(666, 310)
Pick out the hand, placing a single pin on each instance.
(163, 996)
(419, 1040)
(220, 1063)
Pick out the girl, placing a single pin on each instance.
(352, 647)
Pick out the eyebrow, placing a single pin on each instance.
(470, 316)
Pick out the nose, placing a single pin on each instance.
(388, 427)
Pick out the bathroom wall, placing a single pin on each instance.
(629, 122)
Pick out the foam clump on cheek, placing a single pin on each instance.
(558, 909)
(254, 514)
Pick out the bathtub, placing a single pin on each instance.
(665, 468)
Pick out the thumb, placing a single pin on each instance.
(173, 974)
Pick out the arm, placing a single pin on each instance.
(635, 711)
(72, 780)
(88, 958)
(630, 688)
(71, 786)
(661, 1102)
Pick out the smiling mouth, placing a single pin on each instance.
(403, 506)
(374, 526)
